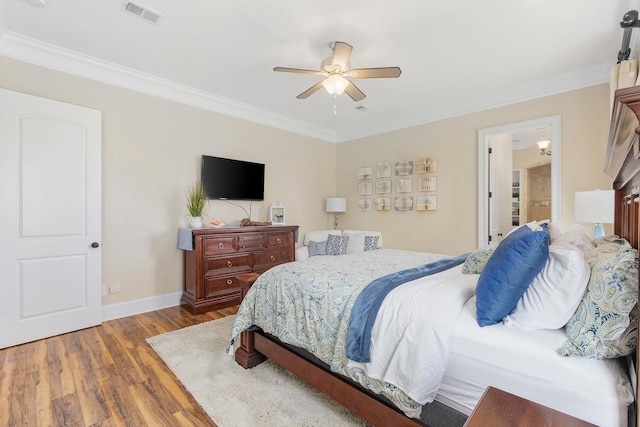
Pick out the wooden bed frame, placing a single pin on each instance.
(622, 164)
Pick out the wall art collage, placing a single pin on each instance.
(404, 185)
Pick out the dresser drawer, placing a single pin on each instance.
(221, 287)
(251, 241)
(263, 261)
(232, 263)
(220, 245)
(276, 240)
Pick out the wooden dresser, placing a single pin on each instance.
(219, 255)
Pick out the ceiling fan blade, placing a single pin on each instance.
(341, 53)
(381, 72)
(355, 93)
(300, 71)
(313, 89)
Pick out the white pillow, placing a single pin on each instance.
(356, 243)
(554, 229)
(366, 233)
(319, 236)
(555, 293)
(578, 237)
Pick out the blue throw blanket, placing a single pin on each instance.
(366, 307)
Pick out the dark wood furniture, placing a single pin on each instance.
(219, 255)
(497, 408)
(622, 164)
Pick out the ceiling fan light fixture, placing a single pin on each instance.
(335, 84)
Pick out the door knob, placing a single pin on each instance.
(95, 244)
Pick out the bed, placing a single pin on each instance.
(523, 362)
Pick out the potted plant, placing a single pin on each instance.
(196, 201)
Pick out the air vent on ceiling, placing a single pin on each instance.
(361, 108)
(141, 12)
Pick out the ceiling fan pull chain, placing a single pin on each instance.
(335, 109)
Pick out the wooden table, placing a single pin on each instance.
(497, 408)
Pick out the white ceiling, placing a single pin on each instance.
(456, 57)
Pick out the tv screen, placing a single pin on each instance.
(232, 179)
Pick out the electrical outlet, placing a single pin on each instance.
(114, 289)
(104, 290)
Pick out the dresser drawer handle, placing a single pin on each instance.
(229, 263)
(273, 258)
(220, 245)
(229, 282)
(279, 240)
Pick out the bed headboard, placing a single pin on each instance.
(622, 164)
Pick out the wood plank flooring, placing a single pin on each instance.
(102, 376)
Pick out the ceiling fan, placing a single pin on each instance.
(336, 68)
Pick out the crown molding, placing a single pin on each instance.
(36, 52)
(595, 75)
(43, 54)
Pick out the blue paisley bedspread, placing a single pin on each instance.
(308, 304)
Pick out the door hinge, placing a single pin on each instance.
(490, 150)
(489, 238)
(490, 194)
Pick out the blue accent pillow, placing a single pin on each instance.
(317, 248)
(514, 264)
(337, 245)
(371, 243)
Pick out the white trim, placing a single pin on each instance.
(36, 52)
(142, 305)
(556, 163)
(47, 55)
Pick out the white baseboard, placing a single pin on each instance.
(142, 305)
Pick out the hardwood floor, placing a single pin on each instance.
(102, 376)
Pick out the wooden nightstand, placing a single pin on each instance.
(497, 408)
(245, 281)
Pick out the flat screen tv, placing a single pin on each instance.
(232, 179)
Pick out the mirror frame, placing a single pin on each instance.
(483, 182)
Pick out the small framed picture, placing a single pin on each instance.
(383, 170)
(427, 183)
(365, 173)
(426, 203)
(383, 203)
(427, 164)
(404, 185)
(403, 203)
(365, 188)
(404, 168)
(365, 205)
(383, 187)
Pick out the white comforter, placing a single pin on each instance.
(411, 332)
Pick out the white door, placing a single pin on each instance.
(500, 165)
(50, 273)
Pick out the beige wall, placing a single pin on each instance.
(152, 148)
(452, 229)
(151, 152)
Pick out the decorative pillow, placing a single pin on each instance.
(355, 244)
(317, 248)
(555, 293)
(604, 325)
(475, 263)
(578, 237)
(337, 245)
(510, 270)
(371, 243)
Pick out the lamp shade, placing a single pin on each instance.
(335, 84)
(594, 206)
(336, 204)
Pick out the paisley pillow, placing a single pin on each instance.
(604, 325)
(371, 243)
(474, 264)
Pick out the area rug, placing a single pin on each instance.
(266, 395)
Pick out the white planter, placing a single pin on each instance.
(195, 222)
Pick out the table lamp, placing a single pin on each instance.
(595, 207)
(336, 205)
